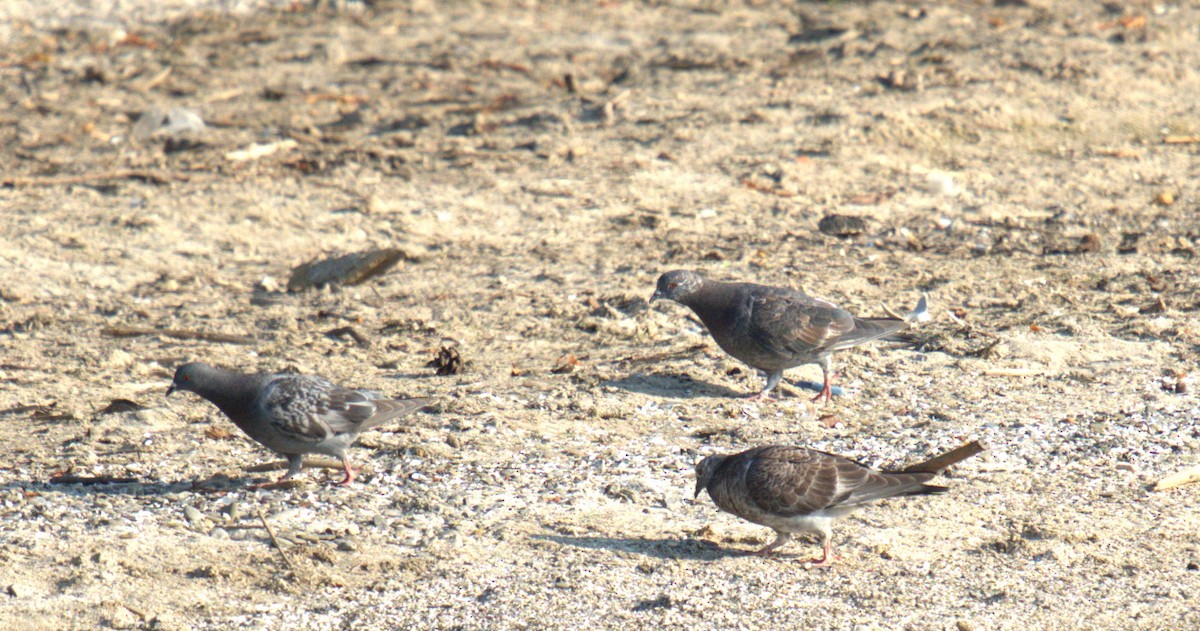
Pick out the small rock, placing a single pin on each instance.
(247, 534)
(122, 618)
(167, 621)
(234, 511)
(193, 516)
(118, 359)
(941, 183)
(158, 123)
(842, 225)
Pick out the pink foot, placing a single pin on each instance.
(826, 392)
(349, 476)
(826, 559)
(824, 562)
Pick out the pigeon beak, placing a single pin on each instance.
(699, 488)
(657, 296)
(171, 388)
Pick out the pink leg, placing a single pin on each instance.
(295, 462)
(827, 557)
(826, 392)
(773, 379)
(349, 472)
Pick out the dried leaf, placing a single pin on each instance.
(565, 364)
(217, 432)
(448, 361)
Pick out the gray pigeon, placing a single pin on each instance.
(795, 490)
(293, 415)
(773, 328)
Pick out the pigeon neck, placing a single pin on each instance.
(232, 392)
(711, 300)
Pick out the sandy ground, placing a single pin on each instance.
(1029, 165)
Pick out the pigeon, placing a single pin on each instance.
(774, 328)
(293, 414)
(798, 490)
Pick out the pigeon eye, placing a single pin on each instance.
(672, 285)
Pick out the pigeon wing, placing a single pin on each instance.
(312, 409)
(791, 322)
(791, 481)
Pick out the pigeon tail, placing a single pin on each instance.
(870, 329)
(390, 409)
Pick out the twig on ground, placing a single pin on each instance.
(940, 463)
(275, 541)
(154, 177)
(179, 334)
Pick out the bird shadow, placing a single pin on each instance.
(672, 385)
(685, 549)
(680, 386)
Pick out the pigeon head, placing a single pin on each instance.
(705, 470)
(677, 285)
(189, 376)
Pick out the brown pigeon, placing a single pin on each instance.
(799, 490)
(774, 328)
(293, 415)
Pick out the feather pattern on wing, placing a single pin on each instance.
(793, 481)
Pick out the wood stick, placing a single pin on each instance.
(1187, 476)
(940, 463)
(179, 334)
(155, 177)
(275, 541)
(89, 480)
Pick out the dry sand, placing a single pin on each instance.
(539, 166)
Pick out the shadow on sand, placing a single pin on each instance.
(672, 386)
(688, 549)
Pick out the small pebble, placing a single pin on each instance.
(193, 516)
(16, 590)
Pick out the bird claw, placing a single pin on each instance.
(350, 471)
(825, 562)
(826, 392)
